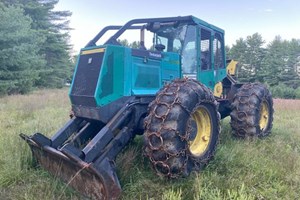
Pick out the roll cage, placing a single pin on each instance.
(153, 24)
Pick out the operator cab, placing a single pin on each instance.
(201, 49)
(200, 45)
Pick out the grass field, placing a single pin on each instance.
(242, 169)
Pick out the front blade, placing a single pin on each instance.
(96, 182)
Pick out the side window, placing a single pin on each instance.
(189, 52)
(176, 46)
(161, 44)
(205, 50)
(218, 51)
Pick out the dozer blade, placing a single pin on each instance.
(82, 154)
(95, 182)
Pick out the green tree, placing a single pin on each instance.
(228, 52)
(19, 47)
(249, 53)
(290, 76)
(255, 56)
(54, 26)
(133, 45)
(238, 52)
(279, 63)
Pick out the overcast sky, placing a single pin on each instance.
(239, 18)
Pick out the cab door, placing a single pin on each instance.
(219, 57)
(206, 72)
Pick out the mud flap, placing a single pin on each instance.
(95, 182)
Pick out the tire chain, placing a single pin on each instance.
(245, 110)
(172, 90)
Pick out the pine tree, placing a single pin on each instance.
(54, 26)
(19, 47)
(290, 74)
(255, 56)
(238, 53)
(56, 49)
(279, 63)
(249, 53)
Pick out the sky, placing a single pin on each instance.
(239, 18)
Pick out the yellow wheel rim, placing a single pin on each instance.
(203, 133)
(264, 116)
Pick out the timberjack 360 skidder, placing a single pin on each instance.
(175, 90)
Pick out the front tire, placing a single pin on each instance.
(252, 111)
(182, 128)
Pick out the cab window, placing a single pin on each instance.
(189, 52)
(205, 47)
(218, 51)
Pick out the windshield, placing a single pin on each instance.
(172, 38)
(181, 40)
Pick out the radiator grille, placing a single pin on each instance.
(86, 78)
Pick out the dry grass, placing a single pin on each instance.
(42, 111)
(256, 169)
(287, 104)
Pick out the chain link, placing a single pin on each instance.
(172, 92)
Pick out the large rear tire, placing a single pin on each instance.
(182, 128)
(252, 111)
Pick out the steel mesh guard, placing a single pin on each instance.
(86, 78)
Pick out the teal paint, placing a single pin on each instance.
(122, 74)
(146, 76)
(205, 24)
(170, 66)
(110, 85)
(127, 72)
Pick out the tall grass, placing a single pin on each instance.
(242, 169)
(44, 111)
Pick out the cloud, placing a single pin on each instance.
(268, 10)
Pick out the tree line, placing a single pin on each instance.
(276, 64)
(35, 52)
(34, 47)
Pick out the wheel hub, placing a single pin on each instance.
(200, 138)
(264, 116)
